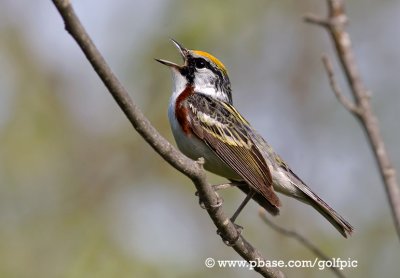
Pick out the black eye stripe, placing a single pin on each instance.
(201, 63)
(206, 64)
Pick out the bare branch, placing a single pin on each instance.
(337, 20)
(313, 19)
(295, 235)
(188, 167)
(335, 87)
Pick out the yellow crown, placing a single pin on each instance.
(219, 64)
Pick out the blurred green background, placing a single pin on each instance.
(82, 195)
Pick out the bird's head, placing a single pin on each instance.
(201, 70)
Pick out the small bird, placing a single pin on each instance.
(205, 124)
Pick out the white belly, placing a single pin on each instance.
(195, 148)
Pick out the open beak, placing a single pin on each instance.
(184, 52)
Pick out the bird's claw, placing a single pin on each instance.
(219, 203)
(200, 161)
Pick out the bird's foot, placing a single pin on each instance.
(221, 186)
(228, 242)
(203, 205)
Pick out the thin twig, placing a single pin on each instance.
(348, 104)
(295, 235)
(188, 167)
(336, 23)
(310, 18)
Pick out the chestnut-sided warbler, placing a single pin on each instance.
(205, 124)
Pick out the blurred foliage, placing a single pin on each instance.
(81, 195)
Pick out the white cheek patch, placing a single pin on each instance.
(205, 84)
(204, 79)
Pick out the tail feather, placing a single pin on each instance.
(331, 215)
(324, 209)
(309, 197)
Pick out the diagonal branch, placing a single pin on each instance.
(335, 24)
(188, 167)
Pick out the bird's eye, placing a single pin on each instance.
(200, 63)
